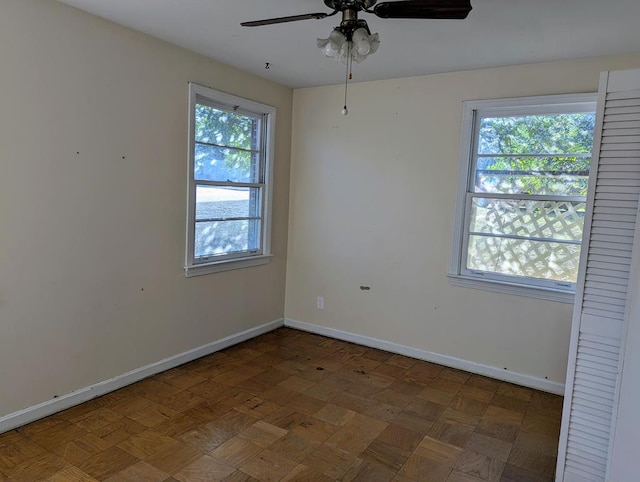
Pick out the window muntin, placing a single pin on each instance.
(229, 191)
(525, 193)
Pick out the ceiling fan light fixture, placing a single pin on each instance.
(355, 46)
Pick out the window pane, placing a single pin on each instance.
(565, 176)
(222, 164)
(560, 220)
(544, 260)
(537, 134)
(224, 237)
(224, 128)
(227, 202)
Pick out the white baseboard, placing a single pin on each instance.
(449, 361)
(44, 409)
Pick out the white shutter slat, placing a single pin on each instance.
(623, 95)
(594, 374)
(600, 377)
(622, 108)
(588, 438)
(592, 348)
(619, 259)
(627, 146)
(618, 160)
(596, 394)
(623, 103)
(596, 465)
(580, 446)
(618, 203)
(630, 183)
(620, 138)
(608, 272)
(622, 282)
(607, 309)
(605, 360)
(612, 237)
(598, 369)
(609, 264)
(621, 253)
(576, 474)
(602, 244)
(596, 462)
(594, 285)
(615, 154)
(596, 441)
(593, 378)
(602, 288)
(622, 117)
(593, 293)
(608, 193)
(592, 431)
(604, 299)
(618, 167)
(619, 174)
(599, 423)
(587, 341)
(619, 124)
(597, 330)
(593, 410)
(605, 219)
(585, 446)
(623, 131)
(600, 312)
(602, 230)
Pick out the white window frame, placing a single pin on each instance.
(471, 113)
(222, 100)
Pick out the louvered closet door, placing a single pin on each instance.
(601, 297)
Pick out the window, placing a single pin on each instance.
(524, 175)
(229, 192)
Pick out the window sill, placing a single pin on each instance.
(226, 265)
(513, 289)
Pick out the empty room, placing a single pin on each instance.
(317, 240)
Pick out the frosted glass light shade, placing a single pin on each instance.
(361, 42)
(332, 46)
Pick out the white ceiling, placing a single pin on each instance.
(496, 33)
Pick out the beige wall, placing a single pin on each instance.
(93, 143)
(372, 203)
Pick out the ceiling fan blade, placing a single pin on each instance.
(437, 9)
(292, 18)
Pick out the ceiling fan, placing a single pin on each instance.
(352, 40)
(428, 9)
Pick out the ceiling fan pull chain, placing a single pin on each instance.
(347, 76)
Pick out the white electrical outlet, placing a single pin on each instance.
(320, 302)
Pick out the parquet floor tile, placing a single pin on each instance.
(293, 406)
